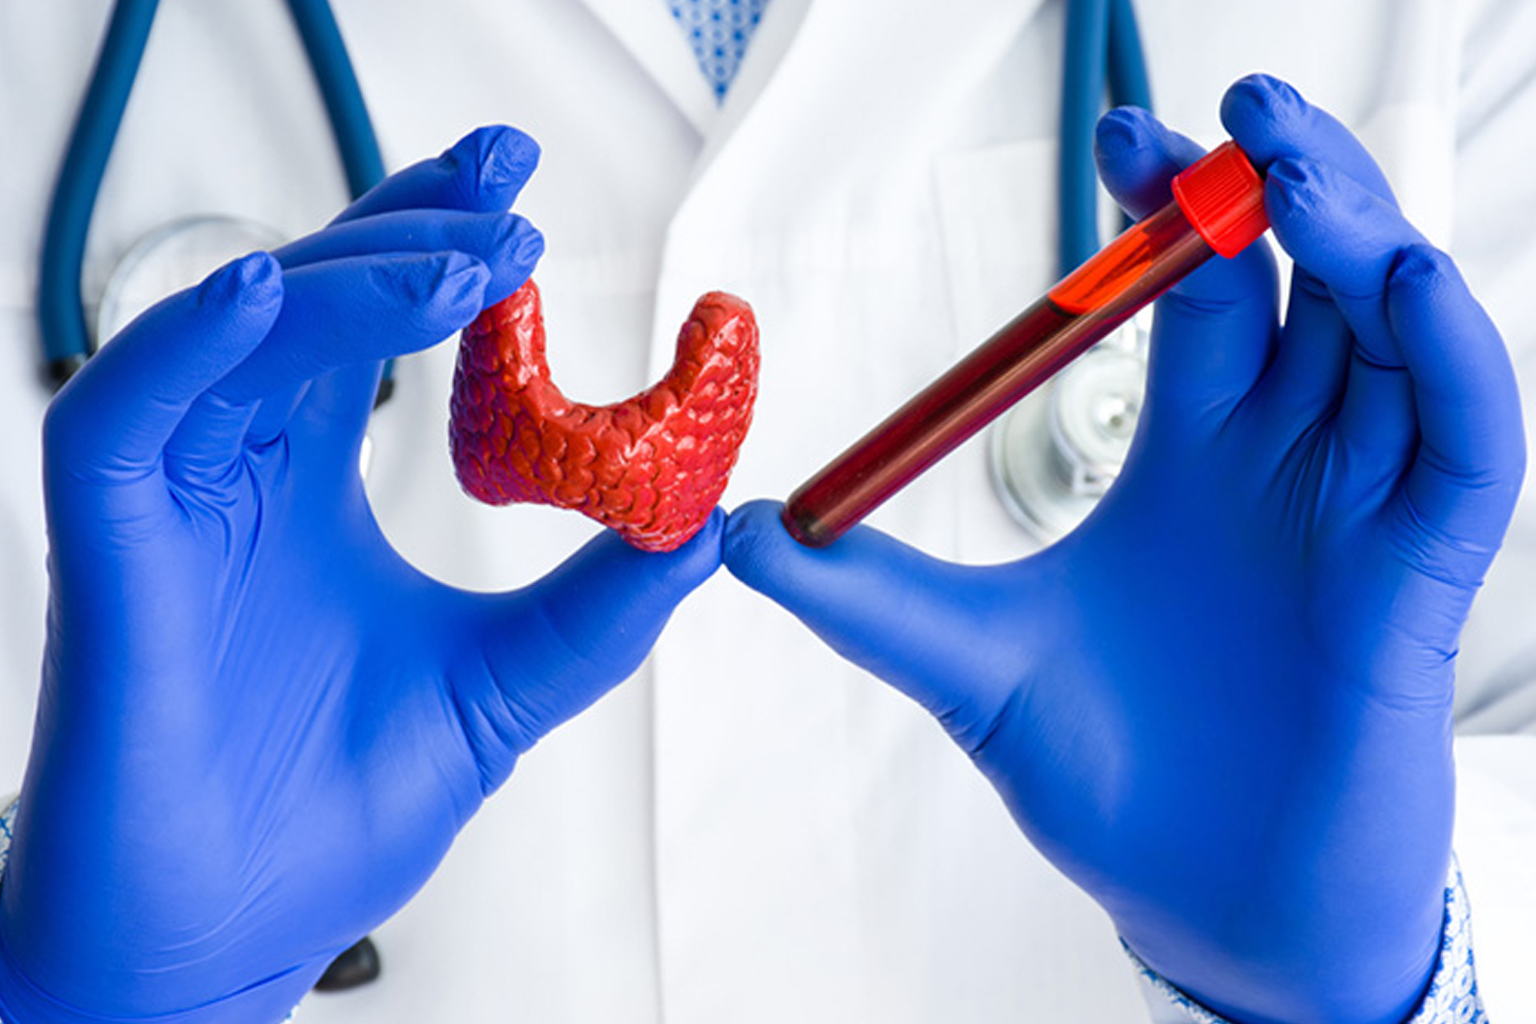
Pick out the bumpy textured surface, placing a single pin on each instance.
(651, 467)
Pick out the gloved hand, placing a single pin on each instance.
(260, 729)
(1223, 705)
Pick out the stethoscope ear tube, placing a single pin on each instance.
(343, 97)
(1100, 34)
(61, 315)
(1128, 82)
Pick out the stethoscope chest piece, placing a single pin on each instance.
(177, 256)
(172, 257)
(1054, 455)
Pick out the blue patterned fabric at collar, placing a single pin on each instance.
(718, 31)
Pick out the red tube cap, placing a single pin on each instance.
(1223, 197)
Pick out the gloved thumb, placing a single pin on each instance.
(556, 646)
(943, 634)
(1215, 331)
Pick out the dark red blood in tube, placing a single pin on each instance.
(1218, 207)
(1075, 315)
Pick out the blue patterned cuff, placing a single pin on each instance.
(1450, 999)
(7, 821)
(7, 817)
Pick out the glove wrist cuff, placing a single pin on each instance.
(1451, 997)
(22, 1002)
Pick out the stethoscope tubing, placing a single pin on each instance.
(61, 312)
(340, 92)
(1103, 46)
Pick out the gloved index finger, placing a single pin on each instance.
(481, 173)
(1407, 307)
(359, 310)
(495, 239)
(1271, 121)
(1347, 237)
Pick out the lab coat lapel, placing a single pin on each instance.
(647, 29)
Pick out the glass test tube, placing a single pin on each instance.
(1218, 207)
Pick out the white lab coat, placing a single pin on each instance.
(751, 830)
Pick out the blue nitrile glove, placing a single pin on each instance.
(1223, 705)
(260, 728)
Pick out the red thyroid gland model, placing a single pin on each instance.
(651, 467)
